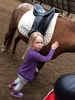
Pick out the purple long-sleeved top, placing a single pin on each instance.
(27, 69)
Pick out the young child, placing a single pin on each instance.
(28, 68)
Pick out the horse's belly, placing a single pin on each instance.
(26, 22)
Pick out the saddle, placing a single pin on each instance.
(42, 19)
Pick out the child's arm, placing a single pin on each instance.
(41, 58)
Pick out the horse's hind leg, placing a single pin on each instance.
(9, 35)
(17, 39)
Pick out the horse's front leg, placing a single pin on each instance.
(39, 67)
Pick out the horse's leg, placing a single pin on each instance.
(40, 65)
(17, 39)
(9, 35)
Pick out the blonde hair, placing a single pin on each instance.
(32, 38)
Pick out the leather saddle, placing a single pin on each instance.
(42, 19)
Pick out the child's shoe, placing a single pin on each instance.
(16, 94)
(11, 85)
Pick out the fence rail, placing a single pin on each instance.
(67, 5)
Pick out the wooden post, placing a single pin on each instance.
(57, 4)
(63, 4)
(68, 7)
(51, 3)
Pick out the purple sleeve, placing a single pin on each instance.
(38, 57)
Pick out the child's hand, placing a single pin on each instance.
(55, 45)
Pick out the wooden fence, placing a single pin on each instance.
(67, 5)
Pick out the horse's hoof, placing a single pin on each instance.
(3, 50)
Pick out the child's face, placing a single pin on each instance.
(38, 43)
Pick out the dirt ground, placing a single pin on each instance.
(9, 64)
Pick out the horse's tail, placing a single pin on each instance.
(10, 34)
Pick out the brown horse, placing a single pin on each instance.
(64, 33)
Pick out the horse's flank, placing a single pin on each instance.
(65, 34)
